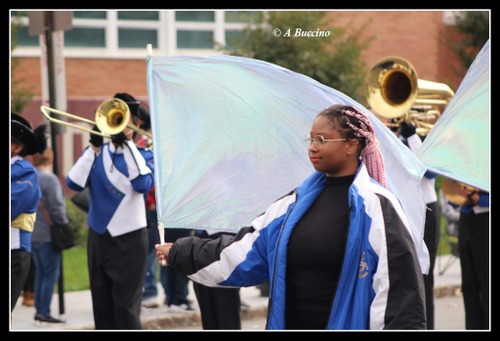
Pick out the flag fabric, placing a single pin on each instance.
(228, 139)
(458, 146)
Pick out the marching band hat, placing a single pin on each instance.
(42, 134)
(132, 103)
(21, 130)
(144, 117)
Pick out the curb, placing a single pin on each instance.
(182, 320)
(193, 319)
(448, 290)
(185, 320)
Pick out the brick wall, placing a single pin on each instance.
(413, 35)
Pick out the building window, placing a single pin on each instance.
(89, 15)
(205, 16)
(248, 17)
(138, 15)
(231, 36)
(195, 39)
(85, 37)
(24, 39)
(130, 38)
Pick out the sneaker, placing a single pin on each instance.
(150, 302)
(41, 320)
(180, 308)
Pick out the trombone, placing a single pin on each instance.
(111, 117)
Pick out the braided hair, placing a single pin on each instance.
(353, 124)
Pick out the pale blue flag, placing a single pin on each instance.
(228, 137)
(458, 146)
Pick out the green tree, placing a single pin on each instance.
(474, 30)
(19, 95)
(333, 59)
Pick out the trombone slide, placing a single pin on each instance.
(112, 117)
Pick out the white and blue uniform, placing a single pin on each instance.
(24, 196)
(118, 179)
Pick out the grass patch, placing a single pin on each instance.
(444, 247)
(75, 269)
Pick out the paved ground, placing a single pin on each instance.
(449, 312)
(78, 307)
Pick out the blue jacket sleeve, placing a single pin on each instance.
(25, 189)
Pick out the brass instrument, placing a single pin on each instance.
(394, 91)
(111, 117)
(450, 190)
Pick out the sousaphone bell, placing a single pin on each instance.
(394, 91)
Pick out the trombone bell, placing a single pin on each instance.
(112, 116)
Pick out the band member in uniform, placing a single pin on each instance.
(25, 193)
(118, 174)
(474, 250)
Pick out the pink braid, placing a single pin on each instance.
(370, 155)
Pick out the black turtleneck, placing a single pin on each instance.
(315, 256)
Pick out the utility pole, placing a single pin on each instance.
(49, 26)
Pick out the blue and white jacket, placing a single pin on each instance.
(24, 195)
(381, 283)
(118, 180)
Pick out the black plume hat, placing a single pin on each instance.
(21, 130)
(144, 117)
(42, 133)
(132, 103)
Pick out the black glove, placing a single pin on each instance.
(407, 130)
(119, 138)
(96, 140)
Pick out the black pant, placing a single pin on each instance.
(219, 307)
(431, 239)
(473, 246)
(29, 284)
(20, 261)
(116, 272)
(175, 284)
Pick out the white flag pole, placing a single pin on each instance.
(161, 229)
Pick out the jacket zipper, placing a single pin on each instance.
(271, 284)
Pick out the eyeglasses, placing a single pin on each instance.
(319, 140)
